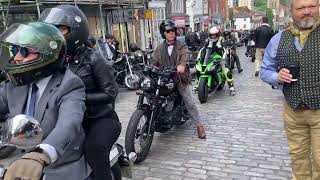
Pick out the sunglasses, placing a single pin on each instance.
(170, 30)
(23, 51)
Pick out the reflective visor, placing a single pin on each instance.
(57, 16)
(24, 36)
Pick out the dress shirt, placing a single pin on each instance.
(42, 84)
(269, 67)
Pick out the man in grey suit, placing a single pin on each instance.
(41, 87)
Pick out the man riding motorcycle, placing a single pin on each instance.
(101, 123)
(42, 87)
(229, 40)
(174, 53)
(217, 48)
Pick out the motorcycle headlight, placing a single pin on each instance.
(139, 54)
(146, 84)
(211, 68)
(198, 68)
(131, 57)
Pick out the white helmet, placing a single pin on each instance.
(214, 33)
(214, 30)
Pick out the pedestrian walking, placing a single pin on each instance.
(263, 34)
(292, 60)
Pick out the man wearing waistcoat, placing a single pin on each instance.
(175, 53)
(299, 44)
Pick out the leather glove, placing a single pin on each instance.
(29, 166)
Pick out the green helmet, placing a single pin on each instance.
(42, 37)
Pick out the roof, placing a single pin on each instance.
(241, 12)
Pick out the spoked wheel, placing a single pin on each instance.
(132, 81)
(137, 138)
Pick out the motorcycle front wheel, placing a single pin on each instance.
(137, 138)
(203, 90)
(132, 81)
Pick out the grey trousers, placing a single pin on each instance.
(186, 93)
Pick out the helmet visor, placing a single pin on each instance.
(57, 16)
(27, 36)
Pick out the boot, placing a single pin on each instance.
(256, 74)
(232, 91)
(201, 132)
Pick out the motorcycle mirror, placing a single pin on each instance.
(21, 131)
(133, 47)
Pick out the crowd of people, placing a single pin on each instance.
(63, 80)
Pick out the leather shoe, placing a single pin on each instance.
(240, 70)
(201, 132)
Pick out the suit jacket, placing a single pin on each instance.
(60, 113)
(180, 55)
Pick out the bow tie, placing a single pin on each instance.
(170, 44)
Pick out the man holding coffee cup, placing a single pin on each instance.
(292, 60)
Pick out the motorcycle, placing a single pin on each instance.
(163, 109)
(140, 56)
(251, 52)
(209, 71)
(24, 133)
(229, 58)
(124, 73)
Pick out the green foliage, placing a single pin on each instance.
(284, 2)
(260, 5)
(270, 15)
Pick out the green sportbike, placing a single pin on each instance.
(210, 73)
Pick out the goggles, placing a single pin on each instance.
(24, 51)
(170, 30)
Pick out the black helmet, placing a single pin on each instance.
(45, 39)
(226, 33)
(72, 17)
(166, 25)
(92, 40)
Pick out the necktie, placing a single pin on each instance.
(33, 100)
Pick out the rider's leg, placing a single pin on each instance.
(101, 134)
(186, 94)
(236, 59)
(229, 78)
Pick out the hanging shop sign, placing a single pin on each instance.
(179, 21)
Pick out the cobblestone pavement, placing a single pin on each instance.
(245, 136)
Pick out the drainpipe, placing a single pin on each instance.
(101, 21)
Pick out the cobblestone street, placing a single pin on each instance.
(245, 136)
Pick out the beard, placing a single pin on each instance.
(307, 23)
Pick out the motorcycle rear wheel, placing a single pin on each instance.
(140, 134)
(203, 90)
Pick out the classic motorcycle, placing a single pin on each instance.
(24, 132)
(229, 57)
(163, 109)
(251, 50)
(141, 57)
(209, 73)
(124, 73)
